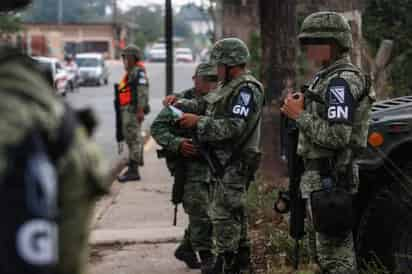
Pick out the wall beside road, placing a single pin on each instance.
(60, 36)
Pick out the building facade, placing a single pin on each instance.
(55, 40)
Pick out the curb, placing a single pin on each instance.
(104, 237)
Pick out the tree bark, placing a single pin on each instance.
(279, 29)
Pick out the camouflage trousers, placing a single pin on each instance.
(196, 203)
(336, 255)
(228, 211)
(132, 132)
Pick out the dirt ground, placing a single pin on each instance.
(273, 174)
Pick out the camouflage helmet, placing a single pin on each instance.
(132, 50)
(9, 5)
(230, 52)
(206, 70)
(326, 25)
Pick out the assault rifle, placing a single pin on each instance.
(297, 204)
(214, 165)
(292, 199)
(179, 168)
(119, 132)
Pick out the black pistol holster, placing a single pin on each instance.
(332, 206)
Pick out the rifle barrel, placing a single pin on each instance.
(175, 216)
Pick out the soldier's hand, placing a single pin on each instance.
(189, 120)
(140, 115)
(187, 148)
(293, 105)
(169, 100)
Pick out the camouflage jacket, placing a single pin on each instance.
(169, 135)
(231, 115)
(187, 94)
(28, 104)
(334, 124)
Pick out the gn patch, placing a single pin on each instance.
(142, 78)
(243, 103)
(340, 101)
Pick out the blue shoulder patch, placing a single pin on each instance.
(243, 103)
(339, 101)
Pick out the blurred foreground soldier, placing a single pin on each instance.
(230, 127)
(332, 118)
(133, 99)
(50, 172)
(187, 165)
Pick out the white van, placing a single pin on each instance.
(92, 68)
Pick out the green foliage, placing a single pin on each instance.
(150, 21)
(141, 40)
(390, 19)
(279, 245)
(181, 28)
(374, 267)
(10, 24)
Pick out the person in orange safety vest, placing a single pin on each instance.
(133, 98)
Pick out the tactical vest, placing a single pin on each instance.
(125, 91)
(315, 97)
(29, 184)
(218, 103)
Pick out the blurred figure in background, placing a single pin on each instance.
(133, 98)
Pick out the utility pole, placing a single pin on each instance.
(116, 29)
(60, 12)
(114, 11)
(169, 46)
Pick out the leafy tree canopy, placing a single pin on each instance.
(10, 24)
(150, 21)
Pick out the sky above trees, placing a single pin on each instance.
(125, 4)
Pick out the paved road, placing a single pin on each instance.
(101, 99)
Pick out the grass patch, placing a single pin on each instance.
(273, 235)
(375, 266)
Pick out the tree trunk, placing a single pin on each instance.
(279, 29)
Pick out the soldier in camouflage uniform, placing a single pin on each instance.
(133, 98)
(196, 197)
(50, 172)
(231, 127)
(332, 116)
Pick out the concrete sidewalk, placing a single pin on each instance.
(133, 230)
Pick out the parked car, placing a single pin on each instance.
(93, 69)
(60, 75)
(157, 53)
(184, 55)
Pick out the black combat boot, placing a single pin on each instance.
(132, 173)
(185, 253)
(218, 265)
(207, 261)
(243, 258)
(231, 264)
